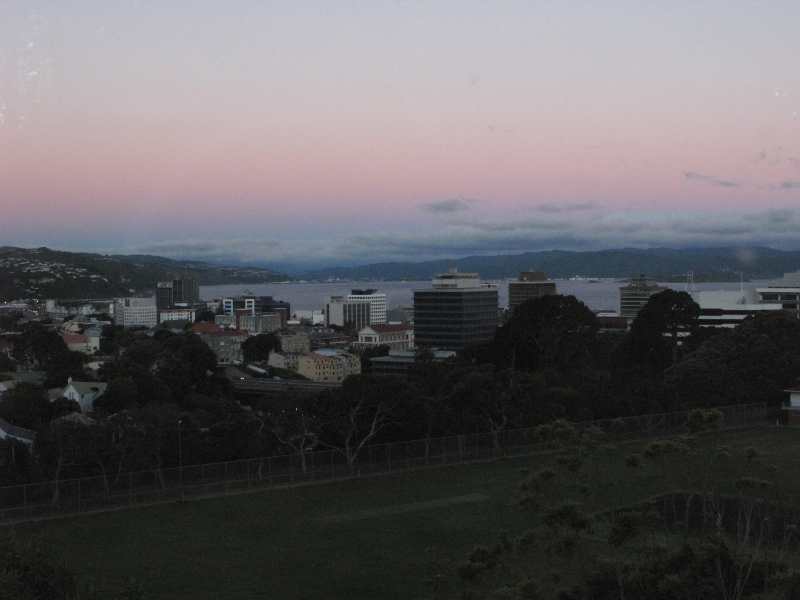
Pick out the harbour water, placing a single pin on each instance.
(598, 295)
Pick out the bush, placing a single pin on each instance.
(529, 590)
(567, 515)
(623, 529)
(634, 461)
(469, 570)
(704, 419)
(526, 539)
(27, 571)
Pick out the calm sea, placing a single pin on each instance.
(601, 295)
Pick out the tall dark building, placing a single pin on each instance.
(529, 285)
(458, 311)
(185, 290)
(164, 296)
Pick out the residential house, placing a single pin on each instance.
(84, 393)
(76, 342)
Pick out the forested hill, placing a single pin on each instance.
(46, 273)
(711, 264)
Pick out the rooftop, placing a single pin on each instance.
(20, 433)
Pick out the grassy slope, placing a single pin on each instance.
(283, 543)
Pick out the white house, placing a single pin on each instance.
(84, 393)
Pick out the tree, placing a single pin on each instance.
(29, 572)
(6, 364)
(38, 346)
(548, 332)
(354, 415)
(122, 393)
(491, 401)
(753, 363)
(654, 335)
(26, 405)
(297, 427)
(369, 353)
(205, 316)
(256, 348)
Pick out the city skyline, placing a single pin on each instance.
(306, 133)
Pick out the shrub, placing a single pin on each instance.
(526, 539)
(529, 590)
(623, 529)
(469, 570)
(567, 515)
(634, 461)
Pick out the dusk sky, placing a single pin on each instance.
(351, 132)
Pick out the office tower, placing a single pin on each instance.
(456, 312)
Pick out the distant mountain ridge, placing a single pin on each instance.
(710, 264)
(46, 273)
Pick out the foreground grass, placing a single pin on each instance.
(386, 537)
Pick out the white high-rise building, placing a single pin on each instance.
(377, 304)
(136, 312)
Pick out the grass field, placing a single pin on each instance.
(385, 537)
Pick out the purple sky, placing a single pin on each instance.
(309, 132)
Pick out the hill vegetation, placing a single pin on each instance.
(46, 273)
(711, 264)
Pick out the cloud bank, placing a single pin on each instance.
(710, 180)
(778, 228)
(449, 206)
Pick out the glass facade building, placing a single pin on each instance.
(455, 313)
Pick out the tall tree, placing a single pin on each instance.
(357, 413)
(257, 347)
(548, 332)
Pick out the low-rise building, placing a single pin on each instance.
(225, 320)
(284, 360)
(225, 343)
(295, 342)
(395, 336)
(728, 308)
(260, 323)
(328, 365)
(177, 314)
(76, 342)
(85, 393)
(784, 291)
(401, 362)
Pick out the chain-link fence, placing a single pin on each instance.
(72, 496)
